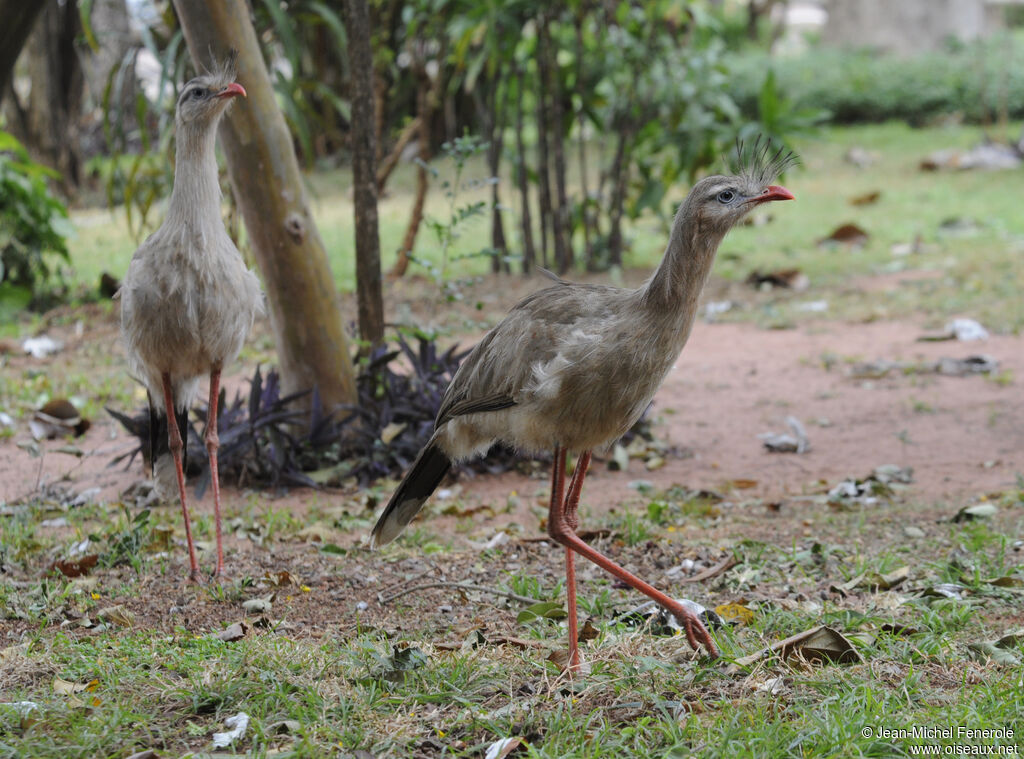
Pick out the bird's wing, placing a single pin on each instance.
(495, 372)
(461, 406)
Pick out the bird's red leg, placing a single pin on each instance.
(569, 509)
(561, 531)
(556, 511)
(177, 446)
(212, 444)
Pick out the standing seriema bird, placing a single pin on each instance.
(572, 367)
(188, 301)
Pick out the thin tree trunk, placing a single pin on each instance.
(386, 166)
(19, 18)
(560, 216)
(620, 181)
(47, 122)
(585, 215)
(311, 344)
(424, 112)
(364, 174)
(529, 253)
(495, 139)
(543, 163)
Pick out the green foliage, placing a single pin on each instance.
(448, 230)
(33, 228)
(981, 81)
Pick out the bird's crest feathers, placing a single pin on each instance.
(759, 163)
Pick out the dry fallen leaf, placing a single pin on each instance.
(866, 199)
(818, 644)
(735, 612)
(502, 748)
(846, 234)
(76, 568)
(66, 688)
(233, 632)
(118, 615)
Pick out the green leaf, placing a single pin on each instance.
(543, 610)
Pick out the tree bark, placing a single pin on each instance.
(585, 215)
(543, 163)
(364, 173)
(311, 344)
(388, 164)
(426, 102)
(560, 215)
(19, 18)
(529, 253)
(620, 181)
(491, 117)
(47, 122)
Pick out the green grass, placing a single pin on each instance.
(386, 686)
(981, 272)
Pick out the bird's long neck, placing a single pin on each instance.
(195, 200)
(673, 292)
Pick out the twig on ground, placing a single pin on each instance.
(461, 586)
(724, 566)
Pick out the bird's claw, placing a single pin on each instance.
(697, 634)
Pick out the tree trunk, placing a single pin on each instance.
(543, 163)
(620, 181)
(19, 18)
(311, 344)
(491, 119)
(560, 215)
(425, 103)
(364, 173)
(585, 215)
(529, 253)
(388, 164)
(47, 122)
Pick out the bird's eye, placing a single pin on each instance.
(197, 93)
(726, 196)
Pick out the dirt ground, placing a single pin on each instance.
(963, 436)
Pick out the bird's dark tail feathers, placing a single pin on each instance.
(419, 482)
(161, 461)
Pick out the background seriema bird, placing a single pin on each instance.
(572, 367)
(188, 301)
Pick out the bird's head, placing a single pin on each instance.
(204, 99)
(718, 202)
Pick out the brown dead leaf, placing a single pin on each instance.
(589, 631)
(118, 615)
(742, 484)
(818, 644)
(846, 234)
(791, 279)
(866, 199)
(75, 568)
(502, 748)
(233, 632)
(277, 579)
(66, 688)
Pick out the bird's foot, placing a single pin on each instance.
(696, 633)
(195, 578)
(221, 577)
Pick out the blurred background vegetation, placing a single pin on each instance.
(586, 121)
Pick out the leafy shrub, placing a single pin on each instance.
(33, 228)
(977, 80)
(266, 442)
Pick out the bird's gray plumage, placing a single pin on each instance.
(188, 300)
(574, 365)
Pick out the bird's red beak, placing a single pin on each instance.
(232, 90)
(773, 192)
